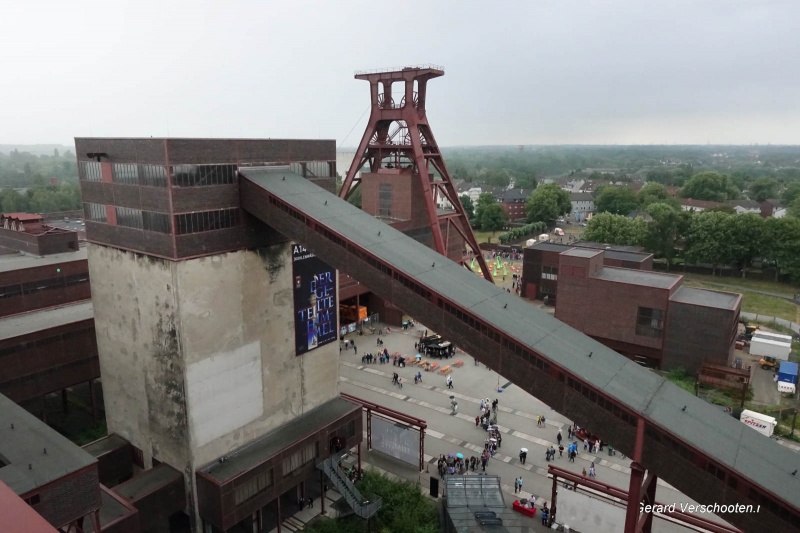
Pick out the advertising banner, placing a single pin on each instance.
(315, 311)
(395, 439)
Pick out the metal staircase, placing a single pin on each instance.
(361, 507)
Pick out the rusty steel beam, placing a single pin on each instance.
(420, 147)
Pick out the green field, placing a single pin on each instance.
(752, 302)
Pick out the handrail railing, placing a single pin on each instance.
(398, 69)
(361, 507)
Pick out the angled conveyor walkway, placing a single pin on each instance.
(691, 444)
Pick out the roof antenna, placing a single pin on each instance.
(684, 409)
(590, 354)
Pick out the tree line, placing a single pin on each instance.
(42, 198)
(710, 237)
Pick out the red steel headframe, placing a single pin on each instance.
(398, 133)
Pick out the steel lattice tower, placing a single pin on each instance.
(398, 134)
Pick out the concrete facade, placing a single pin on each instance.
(198, 356)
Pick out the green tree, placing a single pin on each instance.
(547, 203)
(616, 200)
(663, 231)
(793, 209)
(653, 192)
(748, 239)
(525, 180)
(616, 229)
(712, 186)
(791, 192)
(709, 239)
(727, 209)
(763, 188)
(784, 236)
(494, 218)
(469, 209)
(484, 200)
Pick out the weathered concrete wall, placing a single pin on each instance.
(141, 364)
(237, 332)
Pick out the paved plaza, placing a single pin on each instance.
(517, 414)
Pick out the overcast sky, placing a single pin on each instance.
(521, 72)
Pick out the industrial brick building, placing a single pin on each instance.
(647, 316)
(541, 261)
(196, 311)
(47, 337)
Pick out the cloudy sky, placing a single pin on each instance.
(517, 72)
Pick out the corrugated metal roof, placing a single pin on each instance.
(700, 425)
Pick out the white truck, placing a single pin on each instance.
(762, 423)
(761, 346)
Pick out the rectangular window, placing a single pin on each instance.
(318, 169)
(158, 222)
(385, 200)
(650, 322)
(130, 218)
(550, 272)
(94, 212)
(90, 171)
(153, 175)
(299, 459)
(206, 221)
(253, 487)
(203, 175)
(125, 173)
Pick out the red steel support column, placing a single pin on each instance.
(359, 457)
(369, 430)
(94, 400)
(421, 449)
(280, 518)
(637, 476)
(321, 491)
(552, 515)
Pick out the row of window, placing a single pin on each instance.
(133, 174)
(550, 272)
(385, 200)
(206, 221)
(9, 291)
(203, 175)
(160, 223)
(143, 220)
(723, 474)
(187, 175)
(253, 487)
(598, 399)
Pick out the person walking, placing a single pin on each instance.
(449, 381)
(558, 437)
(545, 514)
(560, 451)
(516, 485)
(592, 472)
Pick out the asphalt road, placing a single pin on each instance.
(450, 434)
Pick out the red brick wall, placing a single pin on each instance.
(608, 310)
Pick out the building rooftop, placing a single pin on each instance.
(273, 442)
(606, 246)
(638, 277)
(637, 257)
(26, 323)
(19, 261)
(692, 420)
(581, 252)
(26, 444)
(580, 197)
(551, 246)
(706, 298)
